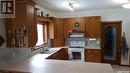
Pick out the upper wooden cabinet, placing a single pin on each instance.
(93, 26)
(58, 32)
(66, 28)
(69, 25)
(58, 28)
(24, 20)
(80, 21)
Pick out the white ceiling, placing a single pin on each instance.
(57, 5)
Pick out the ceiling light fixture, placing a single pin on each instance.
(121, 1)
(71, 4)
(125, 3)
(126, 6)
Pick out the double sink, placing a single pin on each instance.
(49, 50)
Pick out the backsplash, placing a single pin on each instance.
(89, 41)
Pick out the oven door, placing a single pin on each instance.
(76, 54)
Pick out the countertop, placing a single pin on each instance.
(38, 64)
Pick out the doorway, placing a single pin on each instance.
(110, 41)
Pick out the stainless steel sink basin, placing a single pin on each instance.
(49, 50)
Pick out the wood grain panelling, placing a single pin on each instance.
(59, 28)
(92, 55)
(93, 26)
(51, 31)
(43, 20)
(10, 71)
(24, 17)
(66, 28)
(81, 21)
(31, 25)
(35, 25)
(58, 32)
(69, 25)
(57, 42)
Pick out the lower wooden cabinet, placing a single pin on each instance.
(62, 54)
(93, 55)
(10, 71)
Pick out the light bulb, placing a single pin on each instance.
(126, 6)
(70, 8)
(121, 1)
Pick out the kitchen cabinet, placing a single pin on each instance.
(62, 54)
(31, 25)
(70, 24)
(92, 26)
(58, 32)
(59, 28)
(66, 28)
(10, 71)
(93, 55)
(24, 20)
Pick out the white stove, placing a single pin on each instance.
(76, 54)
(77, 43)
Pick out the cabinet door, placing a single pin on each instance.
(92, 55)
(80, 21)
(66, 27)
(69, 25)
(24, 17)
(58, 33)
(93, 26)
(59, 28)
(31, 24)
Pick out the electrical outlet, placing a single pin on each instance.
(13, 55)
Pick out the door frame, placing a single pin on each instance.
(118, 26)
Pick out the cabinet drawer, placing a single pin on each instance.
(93, 52)
(92, 55)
